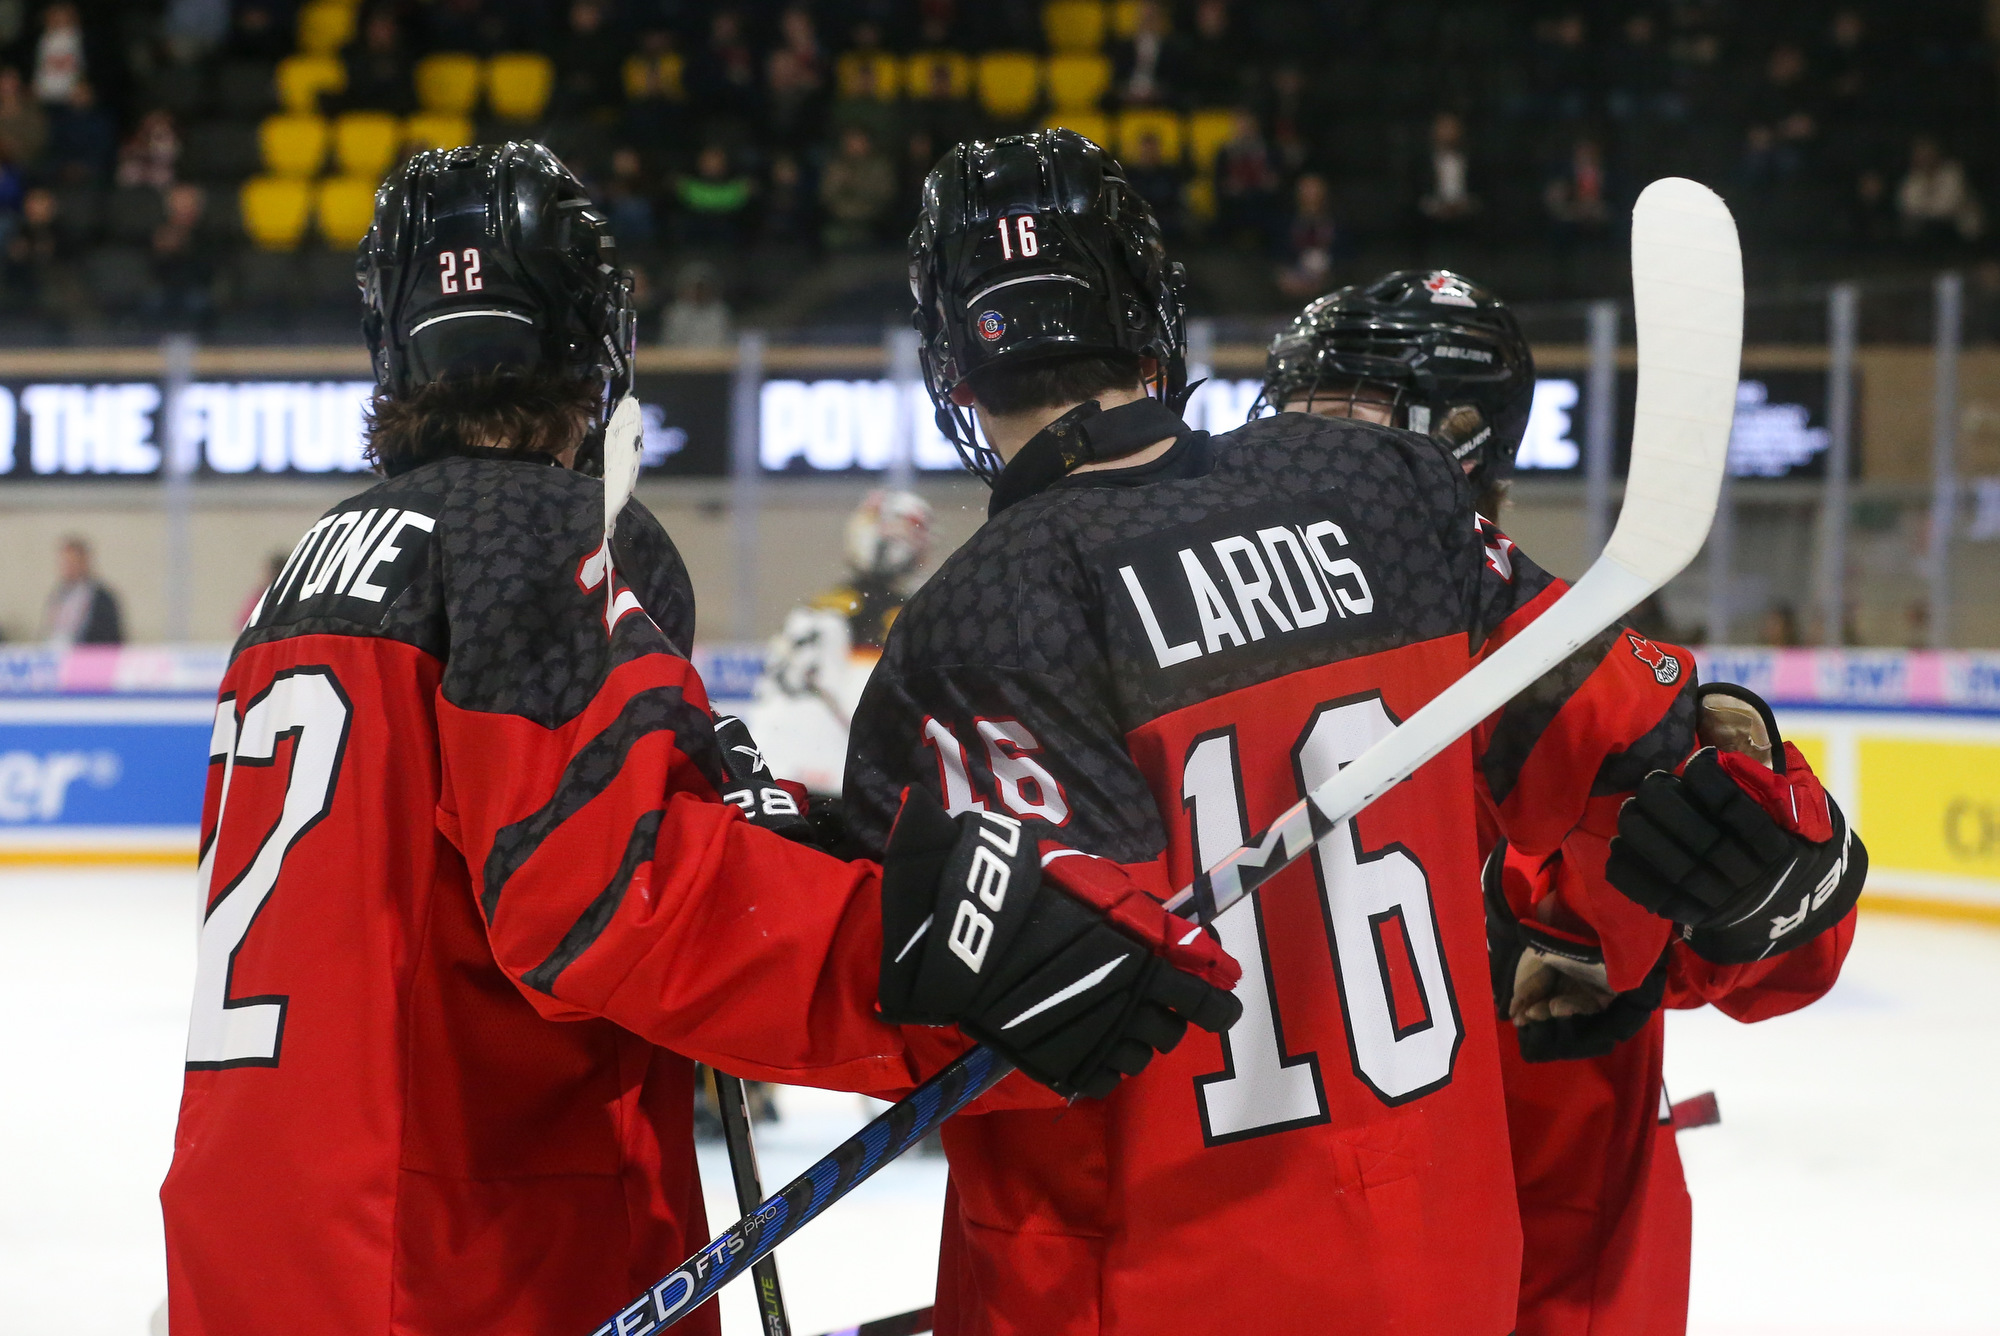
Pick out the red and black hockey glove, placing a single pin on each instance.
(1553, 986)
(775, 804)
(1056, 959)
(1749, 855)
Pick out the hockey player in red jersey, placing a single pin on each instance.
(1156, 642)
(476, 874)
(1579, 967)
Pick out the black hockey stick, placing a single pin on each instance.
(734, 1106)
(916, 1322)
(1687, 287)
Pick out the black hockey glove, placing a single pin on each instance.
(1071, 970)
(748, 783)
(1752, 858)
(1556, 991)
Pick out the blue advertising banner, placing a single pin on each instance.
(84, 765)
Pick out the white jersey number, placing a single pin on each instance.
(307, 705)
(1261, 1090)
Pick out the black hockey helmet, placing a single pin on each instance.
(493, 258)
(1448, 351)
(1034, 246)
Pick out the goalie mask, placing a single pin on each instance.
(1034, 246)
(1446, 355)
(489, 259)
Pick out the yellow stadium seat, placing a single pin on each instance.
(275, 209)
(930, 75)
(1125, 18)
(1207, 131)
(1077, 82)
(435, 130)
(869, 74)
(1092, 125)
(1010, 82)
(365, 143)
(448, 83)
(518, 84)
(1199, 195)
(303, 80)
(1138, 122)
(655, 76)
(344, 206)
(1073, 25)
(293, 144)
(325, 26)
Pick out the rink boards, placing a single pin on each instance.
(103, 755)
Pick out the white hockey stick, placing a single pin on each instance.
(1687, 290)
(1687, 298)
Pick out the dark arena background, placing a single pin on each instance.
(183, 184)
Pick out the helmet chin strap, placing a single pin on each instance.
(1087, 434)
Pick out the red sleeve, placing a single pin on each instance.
(1765, 988)
(613, 883)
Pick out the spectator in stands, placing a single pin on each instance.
(37, 256)
(81, 610)
(1146, 65)
(262, 30)
(1216, 65)
(862, 105)
(697, 317)
(789, 218)
(712, 200)
(1779, 627)
(23, 127)
(1308, 267)
(1159, 181)
(627, 201)
(479, 26)
(59, 56)
(855, 192)
(1450, 198)
(82, 138)
(722, 76)
(938, 111)
(795, 78)
(655, 89)
(1292, 118)
(1873, 207)
(1934, 201)
(1246, 184)
(1560, 65)
(379, 68)
(149, 154)
(183, 272)
(191, 29)
(1575, 193)
(590, 64)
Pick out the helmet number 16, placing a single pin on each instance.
(449, 276)
(1024, 238)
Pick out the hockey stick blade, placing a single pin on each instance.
(1687, 289)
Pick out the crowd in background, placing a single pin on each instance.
(1505, 136)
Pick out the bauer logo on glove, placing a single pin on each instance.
(1058, 960)
(1743, 848)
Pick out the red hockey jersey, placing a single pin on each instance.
(471, 908)
(1155, 662)
(1605, 1217)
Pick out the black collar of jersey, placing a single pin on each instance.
(403, 466)
(1087, 434)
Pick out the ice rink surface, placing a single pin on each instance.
(1853, 1188)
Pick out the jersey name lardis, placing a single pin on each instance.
(1235, 580)
(353, 564)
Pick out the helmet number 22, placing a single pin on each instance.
(1023, 239)
(449, 275)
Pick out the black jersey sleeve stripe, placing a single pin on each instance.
(1664, 747)
(590, 924)
(1527, 717)
(593, 769)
